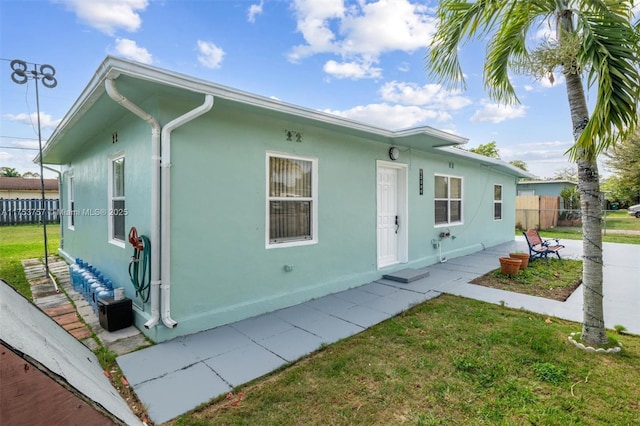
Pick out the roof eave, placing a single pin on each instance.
(489, 162)
(112, 68)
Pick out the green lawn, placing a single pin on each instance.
(24, 242)
(448, 361)
(621, 220)
(577, 235)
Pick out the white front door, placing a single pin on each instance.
(390, 218)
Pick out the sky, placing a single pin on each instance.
(363, 60)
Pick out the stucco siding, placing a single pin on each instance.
(89, 238)
(221, 270)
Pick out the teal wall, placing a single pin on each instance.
(221, 270)
(551, 189)
(90, 240)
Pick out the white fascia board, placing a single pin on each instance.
(113, 67)
(529, 182)
(488, 161)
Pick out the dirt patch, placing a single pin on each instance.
(552, 279)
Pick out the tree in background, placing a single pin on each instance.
(566, 173)
(491, 150)
(30, 175)
(595, 39)
(9, 172)
(618, 190)
(519, 164)
(624, 160)
(488, 149)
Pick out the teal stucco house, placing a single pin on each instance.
(545, 187)
(251, 204)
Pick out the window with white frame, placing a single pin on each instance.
(71, 207)
(497, 202)
(291, 200)
(117, 208)
(447, 200)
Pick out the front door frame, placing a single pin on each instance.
(402, 201)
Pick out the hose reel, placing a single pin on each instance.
(140, 264)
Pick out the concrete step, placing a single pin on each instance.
(407, 275)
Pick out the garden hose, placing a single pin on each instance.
(141, 274)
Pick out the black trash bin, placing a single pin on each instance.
(115, 314)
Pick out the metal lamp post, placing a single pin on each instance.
(21, 75)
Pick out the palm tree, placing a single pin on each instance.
(9, 172)
(593, 39)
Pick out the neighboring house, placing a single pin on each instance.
(544, 187)
(49, 377)
(28, 188)
(252, 204)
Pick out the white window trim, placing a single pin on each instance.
(70, 202)
(500, 201)
(313, 199)
(111, 198)
(449, 199)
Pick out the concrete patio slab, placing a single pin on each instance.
(168, 396)
(245, 363)
(204, 365)
(155, 361)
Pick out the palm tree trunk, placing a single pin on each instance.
(593, 331)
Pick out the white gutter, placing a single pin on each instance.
(165, 207)
(55, 284)
(113, 93)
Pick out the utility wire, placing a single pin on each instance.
(14, 147)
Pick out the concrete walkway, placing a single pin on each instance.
(174, 377)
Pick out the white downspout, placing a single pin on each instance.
(113, 93)
(165, 209)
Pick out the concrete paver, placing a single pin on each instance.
(173, 377)
(240, 352)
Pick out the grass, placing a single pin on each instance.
(621, 220)
(553, 279)
(577, 235)
(23, 242)
(447, 361)
(568, 234)
(26, 241)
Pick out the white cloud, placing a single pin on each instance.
(108, 15)
(387, 25)
(314, 22)
(352, 70)
(30, 144)
(5, 155)
(363, 31)
(497, 113)
(32, 119)
(255, 10)
(404, 67)
(130, 50)
(210, 55)
(393, 117)
(429, 94)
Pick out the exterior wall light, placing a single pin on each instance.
(394, 153)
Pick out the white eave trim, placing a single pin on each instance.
(113, 67)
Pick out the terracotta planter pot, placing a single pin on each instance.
(510, 266)
(522, 256)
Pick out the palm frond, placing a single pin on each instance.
(464, 21)
(609, 48)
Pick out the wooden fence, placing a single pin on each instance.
(537, 211)
(17, 211)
